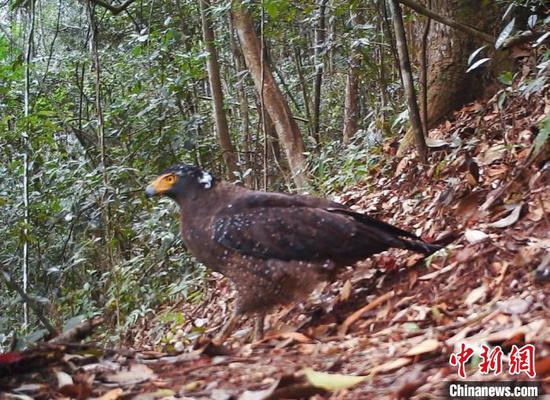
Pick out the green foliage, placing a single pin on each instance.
(149, 79)
(96, 245)
(338, 166)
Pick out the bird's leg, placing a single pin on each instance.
(259, 326)
(227, 329)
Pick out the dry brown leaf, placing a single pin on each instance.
(531, 331)
(492, 154)
(432, 275)
(476, 295)
(345, 292)
(468, 205)
(466, 254)
(542, 366)
(113, 394)
(427, 346)
(343, 329)
(296, 336)
(259, 394)
(496, 170)
(391, 365)
(401, 166)
(535, 213)
(135, 374)
(156, 395)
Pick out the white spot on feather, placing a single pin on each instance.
(206, 180)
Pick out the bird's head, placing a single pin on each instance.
(179, 180)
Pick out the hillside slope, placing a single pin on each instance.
(395, 318)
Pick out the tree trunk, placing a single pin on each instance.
(304, 86)
(408, 84)
(243, 107)
(423, 75)
(449, 87)
(350, 105)
(320, 35)
(274, 102)
(222, 130)
(352, 81)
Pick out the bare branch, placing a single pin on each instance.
(34, 305)
(448, 21)
(113, 9)
(408, 84)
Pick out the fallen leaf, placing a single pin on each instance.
(432, 275)
(135, 374)
(475, 236)
(476, 295)
(343, 329)
(16, 397)
(259, 394)
(466, 254)
(510, 219)
(535, 214)
(513, 306)
(30, 387)
(63, 379)
(468, 205)
(542, 273)
(542, 366)
(194, 385)
(113, 394)
(409, 382)
(492, 154)
(332, 382)
(532, 331)
(435, 143)
(159, 394)
(427, 346)
(391, 365)
(401, 166)
(79, 391)
(296, 336)
(345, 292)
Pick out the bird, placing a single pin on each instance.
(274, 247)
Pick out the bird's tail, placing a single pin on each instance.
(391, 236)
(421, 246)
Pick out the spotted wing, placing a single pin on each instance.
(298, 233)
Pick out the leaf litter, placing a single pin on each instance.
(386, 327)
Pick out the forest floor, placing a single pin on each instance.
(393, 320)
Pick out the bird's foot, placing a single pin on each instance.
(258, 327)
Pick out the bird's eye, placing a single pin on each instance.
(170, 179)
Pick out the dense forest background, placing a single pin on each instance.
(96, 98)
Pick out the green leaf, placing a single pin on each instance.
(332, 382)
(506, 78)
(72, 322)
(542, 136)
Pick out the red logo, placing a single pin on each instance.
(521, 360)
(461, 359)
(491, 360)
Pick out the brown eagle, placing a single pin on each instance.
(274, 247)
